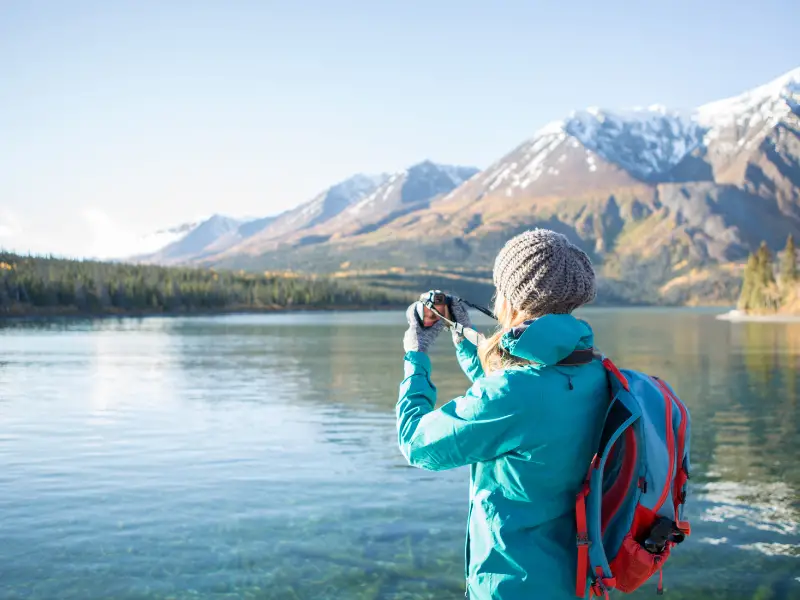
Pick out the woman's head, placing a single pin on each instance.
(540, 272)
(536, 273)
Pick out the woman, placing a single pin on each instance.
(527, 427)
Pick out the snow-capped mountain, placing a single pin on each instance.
(550, 163)
(662, 199)
(218, 234)
(331, 202)
(734, 127)
(759, 108)
(647, 143)
(194, 240)
(207, 237)
(594, 149)
(153, 242)
(316, 212)
(401, 193)
(355, 206)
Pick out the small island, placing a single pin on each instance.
(770, 288)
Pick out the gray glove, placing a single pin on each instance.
(460, 315)
(417, 337)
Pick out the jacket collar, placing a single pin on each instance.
(548, 339)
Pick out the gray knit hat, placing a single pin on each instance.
(541, 272)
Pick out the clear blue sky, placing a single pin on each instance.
(119, 116)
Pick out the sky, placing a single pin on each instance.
(120, 118)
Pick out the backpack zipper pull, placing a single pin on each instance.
(660, 588)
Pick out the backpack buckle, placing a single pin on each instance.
(601, 585)
(582, 540)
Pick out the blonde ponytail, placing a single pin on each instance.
(490, 352)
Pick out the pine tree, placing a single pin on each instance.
(762, 278)
(765, 268)
(789, 263)
(750, 276)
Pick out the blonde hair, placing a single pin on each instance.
(490, 352)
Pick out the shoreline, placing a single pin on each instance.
(737, 316)
(51, 314)
(76, 314)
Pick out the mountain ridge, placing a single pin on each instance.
(656, 195)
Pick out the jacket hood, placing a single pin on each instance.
(548, 339)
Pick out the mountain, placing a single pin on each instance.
(195, 240)
(319, 210)
(736, 127)
(668, 203)
(355, 207)
(402, 193)
(158, 240)
(351, 207)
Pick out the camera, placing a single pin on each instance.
(662, 532)
(440, 301)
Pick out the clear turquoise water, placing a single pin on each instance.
(255, 457)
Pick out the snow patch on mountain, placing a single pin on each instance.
(645, 142)
(358, 185)
(534, 156)
(740, 121)
(457, 175)
(419, 183)
(762, 102)
(529, 161)
(333, 201)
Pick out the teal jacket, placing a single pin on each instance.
(528, 434)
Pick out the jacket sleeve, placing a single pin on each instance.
(475, 427)
(467, 355)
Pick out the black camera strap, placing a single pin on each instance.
(577, 358)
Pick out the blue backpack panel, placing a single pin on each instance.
(629, 512)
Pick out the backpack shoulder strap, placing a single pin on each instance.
(582, 538)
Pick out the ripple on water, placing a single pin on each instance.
(769, 507)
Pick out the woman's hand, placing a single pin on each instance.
(418, 338)
(461, 316)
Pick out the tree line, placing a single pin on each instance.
(32, 284)
(762, 291)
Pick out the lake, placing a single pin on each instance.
(256, 457)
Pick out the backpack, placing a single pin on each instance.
(629, 511)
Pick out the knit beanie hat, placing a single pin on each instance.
(541, 272)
